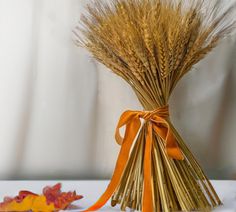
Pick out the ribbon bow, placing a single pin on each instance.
(157, 121)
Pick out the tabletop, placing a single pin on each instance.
(91, 190)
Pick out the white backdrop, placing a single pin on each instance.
(59, 108)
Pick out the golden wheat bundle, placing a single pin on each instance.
(152, 44)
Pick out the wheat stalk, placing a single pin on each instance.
(152, 44)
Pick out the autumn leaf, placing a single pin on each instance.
(52, 199)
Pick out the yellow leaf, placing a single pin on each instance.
(40, 204)
(25, 205)
(31, 202)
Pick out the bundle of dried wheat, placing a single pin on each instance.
(152, 44)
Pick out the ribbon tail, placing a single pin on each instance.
(132, 129)
(147, 195)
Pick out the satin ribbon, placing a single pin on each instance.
(157, 121)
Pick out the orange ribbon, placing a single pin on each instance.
(157, 121)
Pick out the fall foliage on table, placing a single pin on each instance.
(52, 199)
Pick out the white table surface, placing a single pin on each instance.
(91, 190)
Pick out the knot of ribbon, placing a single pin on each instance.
(157, 121)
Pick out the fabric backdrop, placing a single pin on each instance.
(59, 108)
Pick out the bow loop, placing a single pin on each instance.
(131, 120)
